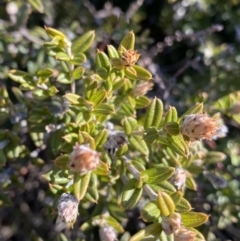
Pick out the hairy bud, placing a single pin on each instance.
(107, 233)
(172, 223)
(184, 235)
(199, 127)
(67, 208)
(179, 178)
(83, 159)
(115, 140)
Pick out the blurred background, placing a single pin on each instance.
(191, 48)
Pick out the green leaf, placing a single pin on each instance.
(56, 175)
(165, 203)
(199, 236)
(37, 5)
(55, 188)
(98, 97)
(71, 138)
(102, 169)
(44, 73)
(193, 219)
(130, 73)
(78, 59)
(78, 73)
(52, 33)
(172, 128)
(115, 224)
(154, 114)
(62, 161)
(139, 144)
(40, 94)
(164, 237)
(102, 60)
(158, 174)
(142, 102)
(117, 63)
(131, 194)
(80, 185)
(116, 211)
(214, 157)
(103, 73)
(150, 212)
(155, 228)
(151, 135)
(19, 76)
(171, 115)
(176, 197)
(62, 56)
(101, 137)
(83, 42)
(128, 41)
(164, 186)
(74, 99)
(104, 110)
(141, 73)
(178, 145)
(112, 52)
(191, 184)
(129, 125)
(64, 78)
(183, 206)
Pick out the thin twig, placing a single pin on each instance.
(133, 9)
(168, 41)
(25, 33)
(136, 174)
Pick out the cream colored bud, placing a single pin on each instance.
(142, 88)
(172, 223)
(67, 208)
(107, 233)
(199, 127)
(184, 235)
(83, 159)
(179, 178)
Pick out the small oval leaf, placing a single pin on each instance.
(165, 203)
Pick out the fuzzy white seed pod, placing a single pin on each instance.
(83, 159)
(67, 208)
(107, 233)
(199, 127)
(184, 235)
(179, 178)
(172, 223)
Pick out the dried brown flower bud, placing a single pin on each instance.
(184, 235)
(142, 88)
(67, 208)
(129, 57)
(107, 233)
(172, 223)
(83, 159)
(179, 178)
(199, 126)
(115, 140)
